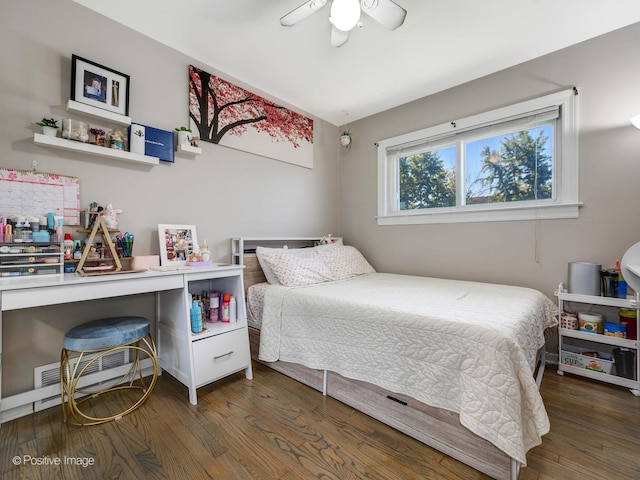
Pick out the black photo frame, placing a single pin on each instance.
(99, 86)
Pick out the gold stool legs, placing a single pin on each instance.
(71, 374)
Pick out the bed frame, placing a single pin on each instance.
(435, 427)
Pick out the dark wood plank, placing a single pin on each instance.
(273, 427)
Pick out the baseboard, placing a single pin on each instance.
(17, 412)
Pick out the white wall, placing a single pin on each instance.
(529, 253)
(223, 192)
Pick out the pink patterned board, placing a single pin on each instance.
(34, 194)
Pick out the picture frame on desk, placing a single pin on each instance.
(99, 86)
(177, 242)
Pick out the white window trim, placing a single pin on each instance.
(565, 204)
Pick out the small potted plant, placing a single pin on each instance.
(345, 139)
(184, 135)
(49, 126)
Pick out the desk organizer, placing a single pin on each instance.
(18, 259)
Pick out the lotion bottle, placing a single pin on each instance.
(196, 317)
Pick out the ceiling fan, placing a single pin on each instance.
(345, 15)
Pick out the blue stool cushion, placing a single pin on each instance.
(106, 333)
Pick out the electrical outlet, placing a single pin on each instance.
(34, 165)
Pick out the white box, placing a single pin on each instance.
(571, 355)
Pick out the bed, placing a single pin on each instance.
(450, 363)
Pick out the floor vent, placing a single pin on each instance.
(46, 375)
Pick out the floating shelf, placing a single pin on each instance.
(90, 149)
(95, 112)
(188, 149)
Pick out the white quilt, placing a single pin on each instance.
(463, 346)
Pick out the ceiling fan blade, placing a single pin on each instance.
(302, 12)
(338, 37)
(385, 12)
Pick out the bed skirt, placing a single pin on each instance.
(435, 427)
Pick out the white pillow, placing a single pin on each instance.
(266, 268)
(304, 267)
(345, 262)
(268, 273)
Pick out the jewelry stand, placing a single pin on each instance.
(104, 231)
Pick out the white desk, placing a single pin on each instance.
(176, 352)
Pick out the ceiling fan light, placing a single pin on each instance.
(345, 14)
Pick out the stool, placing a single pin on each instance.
(96, 339)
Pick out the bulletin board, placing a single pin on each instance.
(34, 194)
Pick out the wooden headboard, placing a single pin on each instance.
(252, 271)
(243, 253)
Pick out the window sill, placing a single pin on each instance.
(500, 214)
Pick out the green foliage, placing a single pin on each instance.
(48, 122)
(425, 182)
(183, 129)
(519, 171)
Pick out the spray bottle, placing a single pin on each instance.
(226, 307)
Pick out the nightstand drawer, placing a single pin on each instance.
(218, 356)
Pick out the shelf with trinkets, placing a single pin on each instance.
(91, 149)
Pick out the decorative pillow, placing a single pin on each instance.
(304, 267)
(268, 273)
(345, 262)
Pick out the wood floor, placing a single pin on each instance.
(273, 428)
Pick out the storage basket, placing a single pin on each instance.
(571, 355)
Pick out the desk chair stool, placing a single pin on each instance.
(102, 337)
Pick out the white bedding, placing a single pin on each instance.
(255, 303)
(463, 346)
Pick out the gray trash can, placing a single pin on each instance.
(625, 362)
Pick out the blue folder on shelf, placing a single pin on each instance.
(158, 143)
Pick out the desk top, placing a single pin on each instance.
(37, 291)
(69, 279)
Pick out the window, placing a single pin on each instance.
(514, 163)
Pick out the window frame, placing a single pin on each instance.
(565, 203)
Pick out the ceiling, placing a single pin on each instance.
(441, 44)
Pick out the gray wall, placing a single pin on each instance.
(528, 253)
(224, 192)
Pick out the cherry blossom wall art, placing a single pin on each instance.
(225, 114)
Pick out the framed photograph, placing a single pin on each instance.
(99, 86)
(177, 242)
